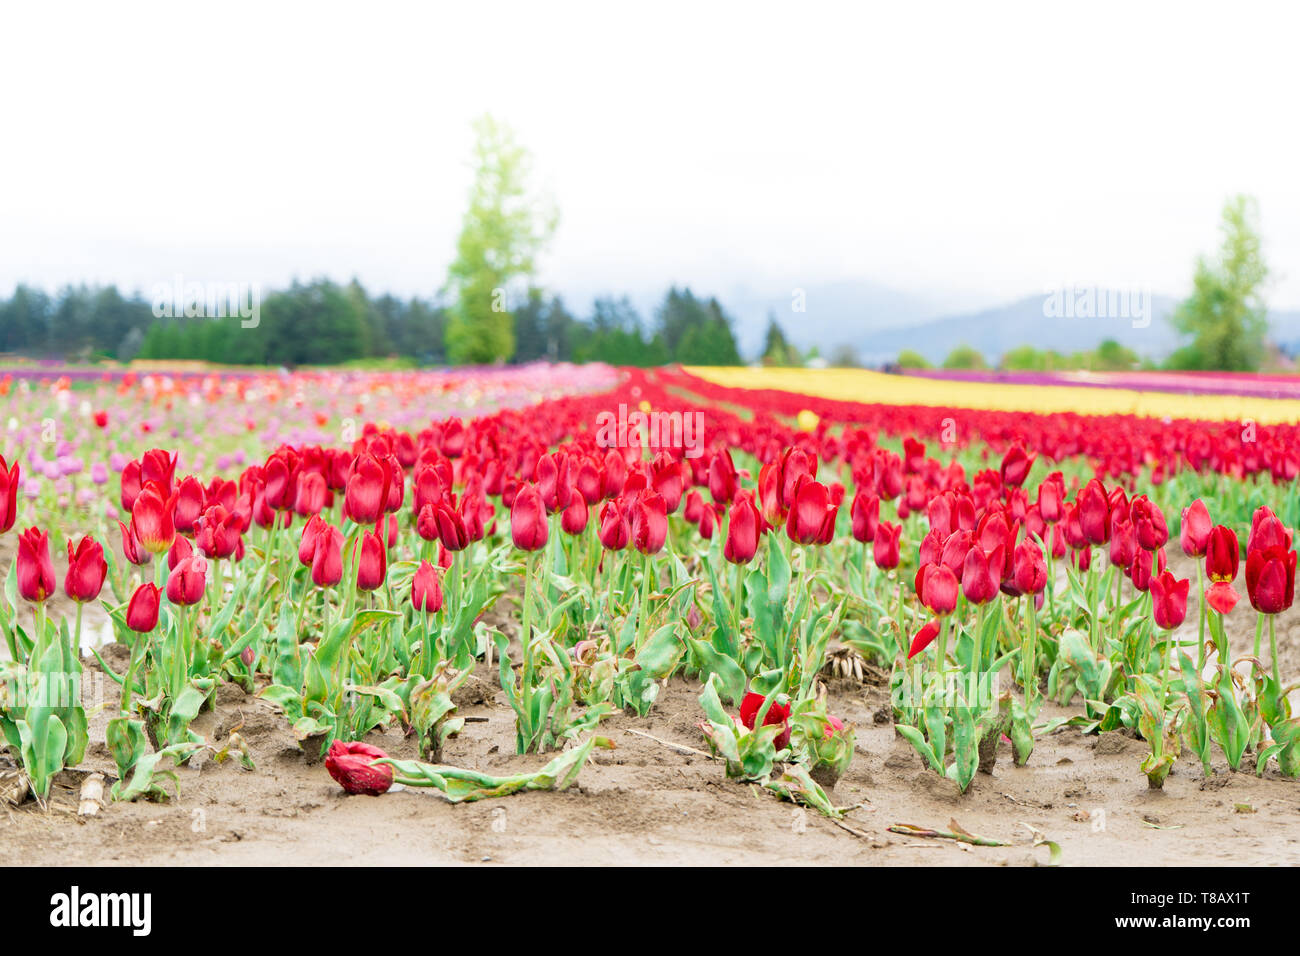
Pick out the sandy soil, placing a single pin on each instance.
(652, 803)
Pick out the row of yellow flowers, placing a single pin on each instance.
(860, 385)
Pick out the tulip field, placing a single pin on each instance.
(588, 614)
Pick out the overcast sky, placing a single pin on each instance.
(968, 154)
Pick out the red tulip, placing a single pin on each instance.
(886, 546)
(101, 419)
(218, 533)
(744, 528)
(1148, 523)
(9, 481)
(352, 766)
(131, 547)
(327, 557)
(865, 513)
(615, 532)
(1194, 533)
(1029, 568)
(451, 527)
(574, 519)
(159, 467)
(978, 581)
(1051, 495)
(178, 552)
(1016, 465)
(937, 588)
(1169, 600)
(86, 570)
(131, 484)
(186, 583)
(142, 612)
(666, 479)
(366, 494)
(1222, 554)
(1094, 513)
(312, 494)
(1123, 543)
(189, 504)
(812, 514)
(426, 589)
(648, 516)
(528, 519)
(35, 570)
(307, 545)
(723, 481)
(372, 562)
(1270, 579)
(923, 639)
(151, 519)
(1267, 531)
(777, 714)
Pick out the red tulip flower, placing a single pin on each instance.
(1267, 531)
(132, 548)
(86, 570)
(1222, 554)
(574, 519)
(218, 533)
(190, 497)
(9, 481)
(372, 562)
(426, 589)
(744, 528)
(937, 588)
(142, 612)
(528, 519)
(327, 557)
(366, 493)
(179, 551)
(352, 766)
(723, 481)
(35, 570)
(1270, 579)
(451, 527)
(777, 714)
(615, 532)
(648, 516)
(979, 582)
(886, 546)
(159, 467)
(812, 514)
(865, 513)
(1016, 465)
(187, 581)
(1169, 599)
(1222, 596)
(151, 519)
(1029, 569)
(1194, 535)
(131, 484)
(1094, 513)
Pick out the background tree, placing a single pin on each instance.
(503, 231)
(777, 349)
(1225, 314)
(964, 357)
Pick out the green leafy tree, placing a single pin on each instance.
(964, 357)
(1225, 314)
(910, 358)
(504, 230)
(777, 349)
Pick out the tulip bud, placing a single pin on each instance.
(426, 589)
(35, 570)
(86, 570)
(142, 612)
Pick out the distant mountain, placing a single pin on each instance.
(1037, 322)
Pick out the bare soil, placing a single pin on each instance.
(651, 802)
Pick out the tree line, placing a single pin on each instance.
(326, 323)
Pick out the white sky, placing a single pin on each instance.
(968, 153)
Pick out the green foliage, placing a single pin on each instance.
(503, 231)
(964, 357)
(1225, 314)
(910, 358)
(777, 350)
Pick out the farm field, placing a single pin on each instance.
(587, 614)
